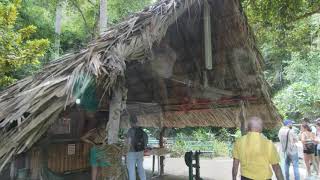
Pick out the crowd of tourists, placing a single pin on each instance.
(310, 139)
(257, 156)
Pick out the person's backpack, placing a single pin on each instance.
(138, 140)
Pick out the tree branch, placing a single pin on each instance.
(306, 15)
(93, 4)
(83, 17)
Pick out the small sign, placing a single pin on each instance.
(71, 149)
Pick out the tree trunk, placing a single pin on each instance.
(103, 16)
(114, 116)
(57, 29)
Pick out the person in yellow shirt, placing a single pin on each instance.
(255, 154)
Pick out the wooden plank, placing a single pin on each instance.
(59, 161)
(61, 157)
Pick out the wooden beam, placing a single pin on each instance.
(207, 35)
(114, 116)
(242, 118)
(163, 92)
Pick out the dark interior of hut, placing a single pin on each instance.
(175, 73)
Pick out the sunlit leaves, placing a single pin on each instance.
(16, 49)
(302, 96)
(118, 9)
(304, 67)
(279, 12)
(288, 33)
(298, 100)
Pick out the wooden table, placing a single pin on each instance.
(157, 152)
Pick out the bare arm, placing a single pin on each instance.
(235, 168)
(303, 139)
(277, 170)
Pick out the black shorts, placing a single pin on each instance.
(316, 151)
(309, 148)
(311, 151)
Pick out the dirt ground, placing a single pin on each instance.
(210, 169)
(175, 169)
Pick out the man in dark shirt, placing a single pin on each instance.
(137, 141)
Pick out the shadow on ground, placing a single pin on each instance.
(165, 177)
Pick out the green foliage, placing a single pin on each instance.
(202, 134)
(25, 36)
(119, 9)
(289, 38)
(302, 97)
(200, 139)
(279, 12)
(304, 67)
(16, 47)
(79, 19)
(272, 134)
(298, 100)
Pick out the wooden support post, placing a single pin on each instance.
(163, 92)
(205, 80)
(114, 116)
(153, 163)
(242, 126)
(161, 144)
(12, 169)
(242, 118)
(207, 35)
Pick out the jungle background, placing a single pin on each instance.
(34, 32)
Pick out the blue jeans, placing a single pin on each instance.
(135, 159)
(295, 162)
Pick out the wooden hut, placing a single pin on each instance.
(178, 63)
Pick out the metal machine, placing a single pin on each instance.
(192, 160)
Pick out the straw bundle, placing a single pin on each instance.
(113, 155)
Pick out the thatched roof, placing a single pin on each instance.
(31, 105)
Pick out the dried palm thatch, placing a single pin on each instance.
(116, 169)
(30, 106)
(35, 102)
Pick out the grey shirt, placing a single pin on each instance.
(131, 136)
(292, 138)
